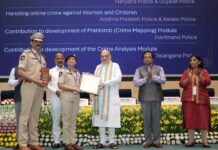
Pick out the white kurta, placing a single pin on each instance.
(114, 105)
(55, 103)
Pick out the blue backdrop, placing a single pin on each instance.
(173, 29)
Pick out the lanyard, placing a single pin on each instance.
(74, 74)
(39, 59)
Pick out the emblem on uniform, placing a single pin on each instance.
(60, 74)
(22, 57)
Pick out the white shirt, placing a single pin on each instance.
(53, 84)
(12, 81)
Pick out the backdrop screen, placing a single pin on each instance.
(173, 29)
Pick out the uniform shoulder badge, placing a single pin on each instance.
(22, 57)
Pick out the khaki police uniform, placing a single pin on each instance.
(70, 104)
(32, 96)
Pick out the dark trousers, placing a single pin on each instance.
(151, 120)
(17, 113)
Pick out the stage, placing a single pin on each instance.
(139, 147)
(130, 133)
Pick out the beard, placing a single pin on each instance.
(60, 64)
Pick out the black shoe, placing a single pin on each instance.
(206, 145)
(157, 145)
(113, 146)
(98, 146)
(56, 145)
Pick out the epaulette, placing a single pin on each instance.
(27, 51)
(64, 69)
(76, 70)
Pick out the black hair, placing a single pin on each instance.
(72, 55)
(152, 54)
(201, 65)
(59, 53)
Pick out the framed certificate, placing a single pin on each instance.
(89, 83)
(44, 74)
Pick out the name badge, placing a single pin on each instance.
(194, 91)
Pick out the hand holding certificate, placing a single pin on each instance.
(89, 83)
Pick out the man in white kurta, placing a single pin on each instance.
(55, 99)
(107, 103)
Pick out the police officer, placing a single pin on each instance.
(30, 63)
(68, 82)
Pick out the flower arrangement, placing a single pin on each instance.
(7, 102)
(131, 131)
(7, 126)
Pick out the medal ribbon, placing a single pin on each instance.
(74, 74)
(39, 59)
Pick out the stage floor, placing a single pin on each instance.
(139, 147)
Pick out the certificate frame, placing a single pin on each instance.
(44, 74)
(89, 83)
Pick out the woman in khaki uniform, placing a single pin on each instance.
(68, 82)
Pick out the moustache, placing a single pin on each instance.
(60, 62)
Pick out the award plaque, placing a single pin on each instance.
(89, 83)
(45, 74)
